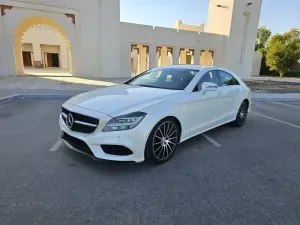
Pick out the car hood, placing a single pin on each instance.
(122, 99)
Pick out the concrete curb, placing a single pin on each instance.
(276, 99)
(12, 98)
(9, 99)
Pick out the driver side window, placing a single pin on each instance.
(227, 79)
(211, 76)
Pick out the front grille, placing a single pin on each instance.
(116, 150)
(82, 128)
(77, 143)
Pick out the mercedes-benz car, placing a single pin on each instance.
(150, 114)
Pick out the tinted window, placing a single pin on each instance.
(211, 76)
(166, 78)
(227, 79)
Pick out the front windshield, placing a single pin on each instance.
(165, 78)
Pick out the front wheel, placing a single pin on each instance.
(241, 115)
(162, 141)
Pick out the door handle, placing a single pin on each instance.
(220, 93)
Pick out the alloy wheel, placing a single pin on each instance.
(165, 140)
(242, 114)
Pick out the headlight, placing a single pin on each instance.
(125, 122)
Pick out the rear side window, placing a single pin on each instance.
(226, 79)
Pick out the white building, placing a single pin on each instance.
(88, 39)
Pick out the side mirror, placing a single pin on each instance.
(208, 86)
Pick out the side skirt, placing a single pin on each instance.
(201, 132)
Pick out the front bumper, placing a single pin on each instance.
(134, 139)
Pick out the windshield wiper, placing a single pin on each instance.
(143, 85)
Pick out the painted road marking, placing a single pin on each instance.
(293, 106)
(56, 146)
(277, 120)
(211, 141)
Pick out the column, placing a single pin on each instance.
(70, 61)
(4, 70)
(37, 55)
(197, 56)
(64, 57)
(152, 52)
(176, 53)
(31, 57)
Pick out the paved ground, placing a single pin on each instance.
(54, 83)
(253, 178)
(51, 85)
(47, 71)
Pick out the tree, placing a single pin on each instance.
(283, 51)
(263, 35)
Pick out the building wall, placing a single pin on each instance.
(94, 37)
(229, 17)
(27, 47)
(45, 39)
(101, 44)
(160, 36)
(256, 63)
(180, 26)
(219, 17)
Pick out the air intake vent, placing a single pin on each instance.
(116, 150)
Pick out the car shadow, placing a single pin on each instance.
(187, 149)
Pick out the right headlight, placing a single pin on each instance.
(125, 122)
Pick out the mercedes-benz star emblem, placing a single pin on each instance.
(69, 121)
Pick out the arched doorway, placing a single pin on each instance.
(24, 27)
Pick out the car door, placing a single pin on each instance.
(230, 90)
(204, 107)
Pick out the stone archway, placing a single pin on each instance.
(27, 24)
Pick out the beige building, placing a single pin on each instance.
(87, 38)
(180, 26)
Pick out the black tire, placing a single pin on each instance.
(162, 141)
(241, 115)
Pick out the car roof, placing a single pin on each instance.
(192, 67)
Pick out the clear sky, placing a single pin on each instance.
(278, 15)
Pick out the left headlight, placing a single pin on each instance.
(124, 122)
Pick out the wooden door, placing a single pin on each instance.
(27, 59)
(52, 60)
(49, 60)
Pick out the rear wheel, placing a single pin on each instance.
(241, 115)
(162, 141)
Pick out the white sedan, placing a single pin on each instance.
(149, 115)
